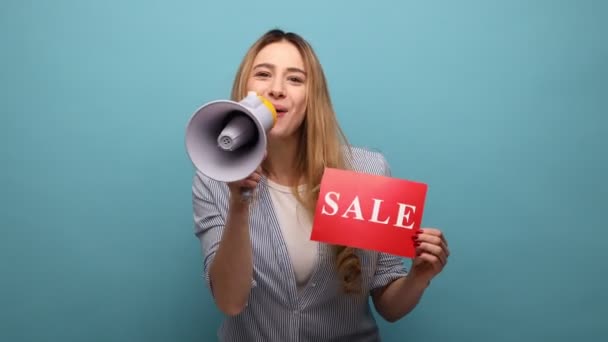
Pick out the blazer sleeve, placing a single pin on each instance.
(209, 219)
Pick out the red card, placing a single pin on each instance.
(369, 211)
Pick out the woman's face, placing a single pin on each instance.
(278, 74)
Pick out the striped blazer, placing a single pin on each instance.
(276, 311)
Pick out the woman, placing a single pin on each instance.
(265, 274)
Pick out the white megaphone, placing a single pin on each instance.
(226, 140)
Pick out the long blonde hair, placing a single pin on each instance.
(322, 142)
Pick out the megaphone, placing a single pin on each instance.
(226, 140)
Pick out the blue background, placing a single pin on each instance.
(500, 106)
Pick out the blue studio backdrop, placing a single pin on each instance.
(500, 106)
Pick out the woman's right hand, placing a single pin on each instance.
(237, 188)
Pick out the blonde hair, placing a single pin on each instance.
(322, 142)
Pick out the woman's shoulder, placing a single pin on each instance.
(204, 185)
(363, 159)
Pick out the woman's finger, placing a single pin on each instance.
(434, 232)
(255, 177)
(433, 239)
(249, 183)
(435, 250)
(431, 260)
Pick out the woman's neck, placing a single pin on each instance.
(282, 160)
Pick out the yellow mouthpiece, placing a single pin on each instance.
(270, 107)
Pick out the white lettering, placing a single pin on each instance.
(402, 214)
(333, 205)
(355, 207)
(376, 212)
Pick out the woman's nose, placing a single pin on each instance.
(277, 90)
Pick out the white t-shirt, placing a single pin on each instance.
(296, 226)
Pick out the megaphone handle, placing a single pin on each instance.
(246, 194)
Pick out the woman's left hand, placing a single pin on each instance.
(431, 254)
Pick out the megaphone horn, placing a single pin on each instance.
(226, 140)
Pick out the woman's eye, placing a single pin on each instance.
(262, 74)
(296, 79)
